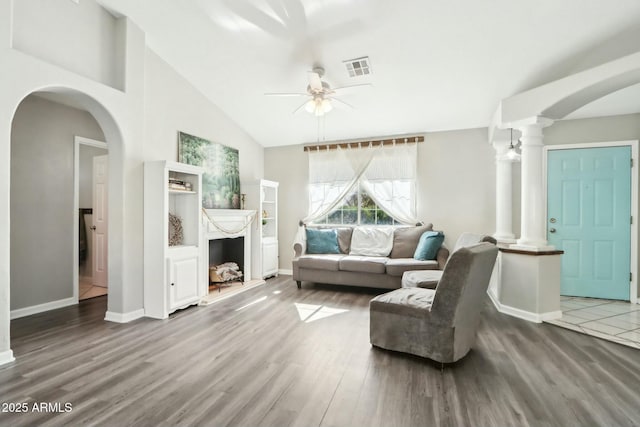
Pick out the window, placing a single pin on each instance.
(358, 208)
(372, 185)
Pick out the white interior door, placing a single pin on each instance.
(100, 220)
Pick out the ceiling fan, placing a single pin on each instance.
(320, 94)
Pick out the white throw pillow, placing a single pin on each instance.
(369, 241)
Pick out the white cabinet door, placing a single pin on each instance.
(269, 259)
(183, 282)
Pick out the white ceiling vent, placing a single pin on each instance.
(358, 67)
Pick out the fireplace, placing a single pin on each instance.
(227, 250)
(227, 238)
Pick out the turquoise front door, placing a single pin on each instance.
(589, 218)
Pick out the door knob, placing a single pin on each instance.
(93, 227)
(552, 230)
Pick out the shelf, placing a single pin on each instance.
(269, 202)
(268, 219)
(174, 191)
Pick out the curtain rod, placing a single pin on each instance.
(365, 143)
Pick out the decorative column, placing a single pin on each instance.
(504, 193)
(533, 215)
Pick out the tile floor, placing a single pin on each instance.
(616, 321)
(87, 290)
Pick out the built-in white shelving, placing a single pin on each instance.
(171, 272)
(263, 197)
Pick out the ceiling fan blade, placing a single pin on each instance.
(297, 21)
(344, 89)
(278, 8)
(341, 103)
(286, 94)
(299, 108)
(257, 17)
(314, 81)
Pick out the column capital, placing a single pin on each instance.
(531, 122)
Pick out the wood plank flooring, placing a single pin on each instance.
(279, 356)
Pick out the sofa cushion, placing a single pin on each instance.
(414, 302)
(405, 240)
(371, 241)
(344, 239)
(320, 261)
(428, 246)
(363, 264)
(421, 279)
(397, 266)
(322, 241)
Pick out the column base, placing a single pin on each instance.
(532, 245)
(505, 239)
(532, 248)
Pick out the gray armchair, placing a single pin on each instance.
(438, 324)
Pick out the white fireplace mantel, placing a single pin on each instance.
(226, 224)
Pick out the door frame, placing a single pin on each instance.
(633, 262)
(77, 142)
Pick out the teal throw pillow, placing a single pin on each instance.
(322, 241)
(428, 246)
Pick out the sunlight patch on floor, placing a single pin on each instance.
(252, 303)
(310, 312)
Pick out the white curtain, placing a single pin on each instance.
(386, 172)
(390, 180)
(332, 176)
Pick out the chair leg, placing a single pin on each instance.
(299, 283)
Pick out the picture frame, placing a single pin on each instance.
(221, 177)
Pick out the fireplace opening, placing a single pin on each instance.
(222, 252)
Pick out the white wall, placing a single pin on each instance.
(42, 199)
(290, 167)
(456, 185)
(82, 38)
(172, 104)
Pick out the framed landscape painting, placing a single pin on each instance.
(221, 177)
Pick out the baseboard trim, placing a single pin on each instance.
(285, 271)
(111, 316)
(35, 309)
(6, 357)
(523, 314)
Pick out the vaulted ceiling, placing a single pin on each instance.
(436, 65)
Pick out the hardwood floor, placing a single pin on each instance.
(279, 356)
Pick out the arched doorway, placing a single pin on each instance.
(45, 234)
(111, 130)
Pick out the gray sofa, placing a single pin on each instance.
(365, 271)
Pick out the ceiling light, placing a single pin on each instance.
(512, 154)
(318, 106)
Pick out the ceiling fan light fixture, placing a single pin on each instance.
(326, 105)
(310, 106)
